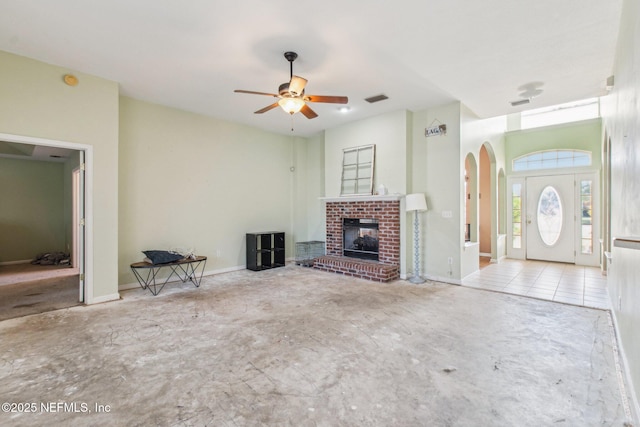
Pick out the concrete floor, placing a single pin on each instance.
(29, 289)
(295, 346)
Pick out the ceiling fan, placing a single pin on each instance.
(291, 94)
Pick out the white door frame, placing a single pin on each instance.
(88, 199)
(593, 259)
(580, 173)
(77, 230)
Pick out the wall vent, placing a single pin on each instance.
(376, 98)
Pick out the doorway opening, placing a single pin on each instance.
(487, 206)
(556, 218)
(50, 176)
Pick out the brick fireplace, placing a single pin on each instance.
(383, 209)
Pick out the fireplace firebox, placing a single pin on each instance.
(360, 238)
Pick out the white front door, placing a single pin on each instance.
(550, 218)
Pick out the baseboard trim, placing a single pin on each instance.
(104, 298)
(24, 261)
(443, 279)
(629, 392)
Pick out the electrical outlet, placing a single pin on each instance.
(218, 253)
(450, 260)
(447, 214)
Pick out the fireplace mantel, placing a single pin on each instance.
(386, 198)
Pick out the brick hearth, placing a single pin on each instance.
(387, 211)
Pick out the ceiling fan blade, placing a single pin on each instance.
(327, 99)
(297, 85)
(308, 112)
(255, 93)
(265, 109)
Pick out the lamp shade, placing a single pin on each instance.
(416, 202)
(296, 85)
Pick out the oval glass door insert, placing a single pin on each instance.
(549, 216)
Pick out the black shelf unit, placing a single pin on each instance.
(265, 250)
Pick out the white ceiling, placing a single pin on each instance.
(420, 53)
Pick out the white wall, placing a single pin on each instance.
(201, 183)
(35, 103)
(622, 124)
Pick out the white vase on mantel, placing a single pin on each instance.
(382, 190)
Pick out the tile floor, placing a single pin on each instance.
(566, 283)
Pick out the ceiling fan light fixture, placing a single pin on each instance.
(291, 95)
(291, 105)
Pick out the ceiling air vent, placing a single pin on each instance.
(376, 98)
(520, 102)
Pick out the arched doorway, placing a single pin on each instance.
(487, 206)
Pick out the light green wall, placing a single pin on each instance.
(218, 162)
(31, 209)
(389, 134)
(436, 172)
(622, 126)
(35, 102)
(584, 135)
(309, 183)
(200, 183)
